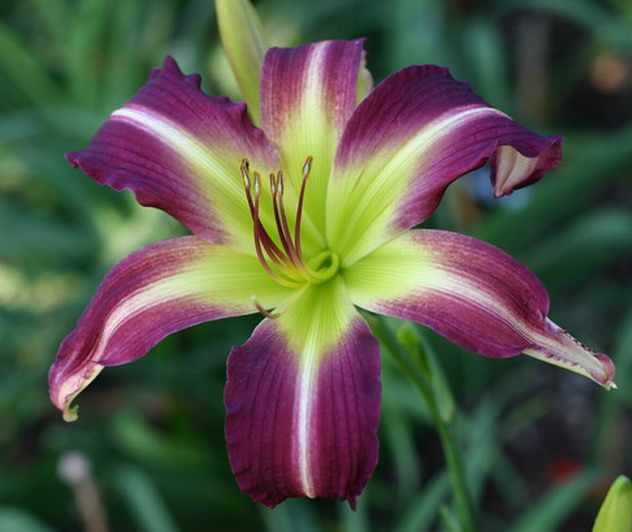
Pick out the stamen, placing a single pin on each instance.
(275, 253)
(281, 220)
(284, 231)
(307, 167)
(285, 242)
(271, 315)
(290, 268)
(260, 234)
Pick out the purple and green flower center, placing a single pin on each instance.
(281, 254)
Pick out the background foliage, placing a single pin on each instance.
(541, 445)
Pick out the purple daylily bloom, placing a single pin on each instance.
(348, 172)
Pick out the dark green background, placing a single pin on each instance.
(541, 444)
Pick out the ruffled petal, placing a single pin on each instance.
(472, 293)
(180, 150)
(158, 290)
(416, 133)
(302, 401)
(307, 95)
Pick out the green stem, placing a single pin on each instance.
(424, 385)
(452, 454)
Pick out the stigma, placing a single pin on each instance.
(283, 259)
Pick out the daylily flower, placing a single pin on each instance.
(303, 220)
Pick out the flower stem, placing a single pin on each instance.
(423, 373)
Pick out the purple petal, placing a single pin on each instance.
(307, 95)
(416, 133)
(180, 150)
(298, 426)
(158, 290)
(473, 294)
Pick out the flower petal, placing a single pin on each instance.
(180, 150)
(158, 290)
(473, 294)
(245, 45)
(307, 95)
(302, 401)
(416, 133)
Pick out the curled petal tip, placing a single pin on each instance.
(70, 414)
(67, 381)
(607, 378)
(514, 168)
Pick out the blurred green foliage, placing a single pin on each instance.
(541, 445)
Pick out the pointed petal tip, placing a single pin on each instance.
(352, 500)
(606, 379)
(73, 158)
(559, 348)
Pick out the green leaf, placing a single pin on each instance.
(293, 514)
(24, 70)
(615, 514)
(409, 335)
(483, 47)
(555, 505)
(16, 520)
(423, 509)
(449, 520)
(144, 501)
(607, 233)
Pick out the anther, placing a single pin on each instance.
(245, 172)
(307, 167)
(273, 187)
(246, 178)
(257, 186)
(279, 181)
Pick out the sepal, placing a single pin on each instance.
(245, 46)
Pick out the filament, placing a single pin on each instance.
(285, 264)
